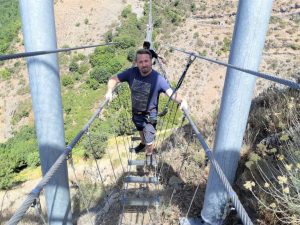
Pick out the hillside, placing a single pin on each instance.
(206, 28)
(208, 31)
(78, 23)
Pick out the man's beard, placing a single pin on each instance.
(145, 70)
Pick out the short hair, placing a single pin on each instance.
(146, 44)
(142, 52)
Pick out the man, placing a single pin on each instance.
(146, 45)
(145, 84)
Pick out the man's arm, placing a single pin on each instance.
(111, 84)
(177, 98)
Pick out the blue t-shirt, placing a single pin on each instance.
(144, 90)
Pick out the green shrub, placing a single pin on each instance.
(78, 57)
(23, 90)
(73, 67)
(65, 53)
(100, 74)
(96, 145)
(295, 47)
(226, 44)
(115, 65)
(157, 22)
(63, 59)
(131, 55)
(119, 111)
(5, 74)
(126, 11)
(193, 7)
(33, 159)
(6, 180)
(172, 16)
(67, 109)
(67, 80)
(176, 3)
(93, 84)
(108, 36)
(83, 68)
(10, 23)
(77, 76)
(124, 41)
(101, 56)
(22, 111)
(15, 155)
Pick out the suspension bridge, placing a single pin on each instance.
(134, 189)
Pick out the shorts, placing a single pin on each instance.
(147, 124)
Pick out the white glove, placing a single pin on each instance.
(184, 105)
(108, 96)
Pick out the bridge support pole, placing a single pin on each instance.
(150, 26)
(246, 50)
(39, 34)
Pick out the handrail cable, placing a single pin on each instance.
(38, 188)
(233, 196)
(270, 77)
(38, 209)
(36, 191)
(2, 203)
(191, 203)
(184, 155)
(107, 196)
(189, 63)
(35, 53)
(178, 85)
(163, 72)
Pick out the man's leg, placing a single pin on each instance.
(150, 155)
(142, 144)
(149, 152)
(149, 134)
(139, 124)
(149, 149)
(142, 137)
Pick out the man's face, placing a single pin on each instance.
(144, 63)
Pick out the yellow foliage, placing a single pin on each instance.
(284, 137)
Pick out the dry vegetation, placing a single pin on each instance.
(207, 30)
